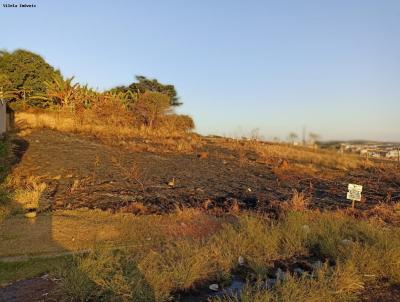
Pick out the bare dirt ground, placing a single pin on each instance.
(83, 172)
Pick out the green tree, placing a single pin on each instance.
(150, 106)
(5, 83)
(6, 91)
(144, 84)
(25, 72)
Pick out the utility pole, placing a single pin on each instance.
(304, 135)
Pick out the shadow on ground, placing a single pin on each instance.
(14, 226)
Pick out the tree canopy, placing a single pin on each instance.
(144, 84)
(26, 75)
(25, 72)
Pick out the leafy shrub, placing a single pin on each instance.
(117, 108)
(150, 107)
(178, 122)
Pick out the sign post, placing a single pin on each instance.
(354, 193)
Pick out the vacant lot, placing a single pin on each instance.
(83, 172)
(141, 219)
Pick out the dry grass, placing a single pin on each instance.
(321, 158)
(384, 212)
(29, 194)
(149, 258)
(273, 153)
(298, 202)
(362, 251)
(328, 285)
(4, 204)
(64, 231)
(66, 122)
(4, 196)
(163, 139)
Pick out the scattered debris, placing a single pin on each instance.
(280, 275)
(346, 242)
(75, 185)
(202, 155)
(234, 289)
(214, 287)
(299, 271)
(283, 164)
(206, 203)
(235, 208)
(316, 265)
(270, 283)
(172, 183)
(306, 228)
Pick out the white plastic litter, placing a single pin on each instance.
(214, 287)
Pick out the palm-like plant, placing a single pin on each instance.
(59, 91)
(85, 96)
(7, 94)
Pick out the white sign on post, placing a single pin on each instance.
(354, 193)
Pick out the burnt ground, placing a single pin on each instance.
(83, 172)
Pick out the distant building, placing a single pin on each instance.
(375, 154)
(393, 154)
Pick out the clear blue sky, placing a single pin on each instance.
(237, 65)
